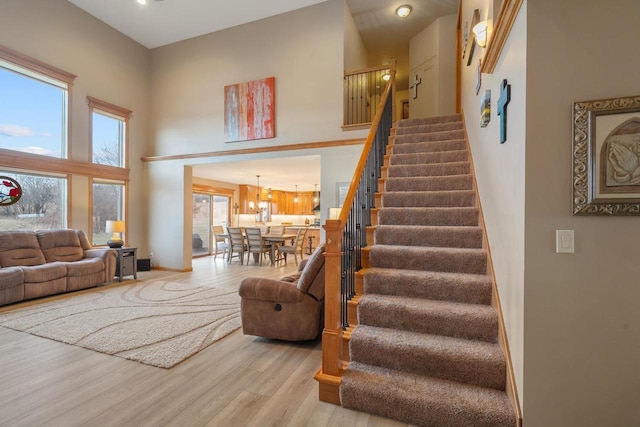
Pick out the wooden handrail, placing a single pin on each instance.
(369, 70)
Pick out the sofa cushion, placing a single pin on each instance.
(11, 285)
(84, 267)
(10, 277)
(18, 248)
(84, 240)
(44, 273)
(60, 245)
(313, 267)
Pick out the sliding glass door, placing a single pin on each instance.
(208, 210)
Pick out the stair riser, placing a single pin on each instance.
(440, 127)
(425, 158)
(485, 328)
(428, 147)
(437, 169)
(422, 406)
(426, 137)
(459, 182)
(469, 262)
(428, 216)
(428, 199)
(452, 237)
(434, 362)
(429, 120)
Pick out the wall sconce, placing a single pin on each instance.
(403, 11)
(117, 228)
(386, 77)
(480, 31)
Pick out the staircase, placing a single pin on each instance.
(425, 350)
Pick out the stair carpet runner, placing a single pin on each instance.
(425, 350)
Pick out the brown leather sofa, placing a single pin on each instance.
(289, 309)
(34, 264)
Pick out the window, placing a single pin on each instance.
(108, 133)
(43, 204)
(33, 106)
(108, 204)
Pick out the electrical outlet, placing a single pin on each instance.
(151, 254)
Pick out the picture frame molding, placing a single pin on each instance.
(585, 158)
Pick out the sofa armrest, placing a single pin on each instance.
(262, 289)
(108, 256)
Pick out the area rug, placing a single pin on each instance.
(155, 322)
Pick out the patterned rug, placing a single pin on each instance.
(155, 322)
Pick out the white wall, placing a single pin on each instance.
(432, 59)
(572, 319)
(582, 322)
(303, 50)
(500, 171)
(355, 53)
(110, 67)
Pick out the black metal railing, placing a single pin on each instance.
(358, 218)
(363, 92)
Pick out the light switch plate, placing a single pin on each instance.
(564, 242)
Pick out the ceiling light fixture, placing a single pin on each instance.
(386, 77)
(142, 1)
(295, 198)
(403, 11)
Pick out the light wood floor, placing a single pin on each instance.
(238, 381)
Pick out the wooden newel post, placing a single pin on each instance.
(331, 370)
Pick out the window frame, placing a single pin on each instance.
(44, 174)
(110, 110)
(39, 70)
(125, 206)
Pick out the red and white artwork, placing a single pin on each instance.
(249, 110)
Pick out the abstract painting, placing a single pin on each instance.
(249, 110)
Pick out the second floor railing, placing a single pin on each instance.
(363, 90)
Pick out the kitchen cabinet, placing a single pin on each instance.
(282, 202)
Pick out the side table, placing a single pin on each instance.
(126, 263)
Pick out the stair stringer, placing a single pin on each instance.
(510, 389)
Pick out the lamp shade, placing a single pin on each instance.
(115, 227)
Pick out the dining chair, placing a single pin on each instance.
(276, 229)
(236, 243)
(219, 241)
(255, 244)
(295, 248)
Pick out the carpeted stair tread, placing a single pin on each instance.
(429, 183)
(435, 127)
(429, 317)
(429, 146)
(460, 216)
(452, 260)
(431, 169)
(429, 157)
(421, 400)
(451, 198)
(430, 136)
(434, 236)
(433, 285)
(454, 359)
(429, 120)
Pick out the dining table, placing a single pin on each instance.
(274, 239)
(271, 238)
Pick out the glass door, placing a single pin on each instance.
(201, 239)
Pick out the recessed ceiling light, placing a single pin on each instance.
(403, 11)
(142, 1)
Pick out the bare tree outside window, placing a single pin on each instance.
(42, 205)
